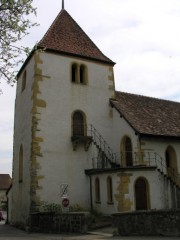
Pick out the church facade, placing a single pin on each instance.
(76, 137)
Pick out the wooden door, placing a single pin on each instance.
(141, 194)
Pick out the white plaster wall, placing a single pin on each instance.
(59, 163)
(155, 190)
(22, 135)
(120, 129)
(159, 146)
(104, 206)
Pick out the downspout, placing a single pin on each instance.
(7, 219)
(91, 200)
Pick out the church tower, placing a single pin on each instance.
(63, 92)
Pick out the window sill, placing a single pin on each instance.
(80, 84)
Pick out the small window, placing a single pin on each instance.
(109, 190)
(21, 164)
(82, 74)
(74, 71)
(23, 81)
(97, 190)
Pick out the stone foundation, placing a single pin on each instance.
(148, 223)
(59, 223)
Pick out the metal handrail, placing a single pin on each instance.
(140, 158)
(103, 146)
(150, 159)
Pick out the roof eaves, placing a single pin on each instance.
(76, 55)
(146, 135)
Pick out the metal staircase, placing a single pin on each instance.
(168, 172)
(108, 159)
(152, 159)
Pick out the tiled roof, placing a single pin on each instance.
(5, 181)
(149, 116)
(65, 36)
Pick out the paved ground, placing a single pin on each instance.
(8, 232)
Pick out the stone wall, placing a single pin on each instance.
(59, 223)
(148, 223)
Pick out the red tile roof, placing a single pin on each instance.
(5, 181)
(65, 36)
(149, 116)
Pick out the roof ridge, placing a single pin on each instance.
(150, 97)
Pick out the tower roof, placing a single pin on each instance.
(66, 36)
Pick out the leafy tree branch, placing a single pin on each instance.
(14, 25)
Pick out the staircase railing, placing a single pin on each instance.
(150, 159)
(108, 158)
(169, 172)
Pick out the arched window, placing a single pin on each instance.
(79, 125)
(109, 190)
(142, 194)
(97, 190)
(74, 73)
(21, 164)
(82, 74)
(171, 163)
(126, 152)
(23, 81)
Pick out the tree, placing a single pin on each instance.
(14, 25)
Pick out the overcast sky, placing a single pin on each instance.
(141, 36)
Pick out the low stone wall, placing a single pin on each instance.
(148, 223)
(59, 223)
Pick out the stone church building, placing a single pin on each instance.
(76, 137)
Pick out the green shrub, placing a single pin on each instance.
(51, 207)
